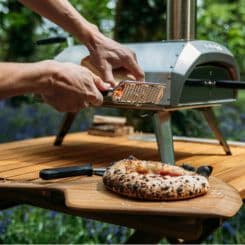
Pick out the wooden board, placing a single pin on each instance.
(221, 201)
(20, 163)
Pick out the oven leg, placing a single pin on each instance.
(210, 117)
(163, 131)
(65, 126)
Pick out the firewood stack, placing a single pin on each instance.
(110, 126)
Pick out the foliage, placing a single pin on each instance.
(28, 225)
(99, 12)
(17, 31)
(224, 22)
(140, 21)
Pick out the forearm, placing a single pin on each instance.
(105, 54)
(65, 15)
(19, 79)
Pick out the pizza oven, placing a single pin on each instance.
(191, 74)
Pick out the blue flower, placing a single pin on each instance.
(228, 227)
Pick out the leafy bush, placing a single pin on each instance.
(223, 22)
(28, 225)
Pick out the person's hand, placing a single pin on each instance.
(71, 87)
(107, 55)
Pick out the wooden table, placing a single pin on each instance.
(190, 220)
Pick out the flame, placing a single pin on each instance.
(118, 92)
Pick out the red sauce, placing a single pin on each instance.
(142, 170)
(172, 174)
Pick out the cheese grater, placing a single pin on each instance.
(136, 93)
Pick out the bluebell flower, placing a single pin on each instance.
(52, 213)
(228, 227)
(2, 104)
(4, 224)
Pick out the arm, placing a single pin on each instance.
(18, 79)
(66, 87)
(105, 54)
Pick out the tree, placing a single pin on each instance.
(140, 21)
(224, 22)
(18, 26)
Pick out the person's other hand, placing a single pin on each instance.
(71, 87)
(107, 55)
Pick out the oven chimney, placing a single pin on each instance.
(181, 19)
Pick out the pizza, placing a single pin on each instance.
(151, 180)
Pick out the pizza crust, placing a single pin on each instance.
(124, 178)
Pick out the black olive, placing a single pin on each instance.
(205, 171)
(188, 167)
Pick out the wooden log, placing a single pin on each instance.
(110, 130)
(97, 119)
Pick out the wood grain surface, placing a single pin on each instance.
(20, 163)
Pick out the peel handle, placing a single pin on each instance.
(55, 173)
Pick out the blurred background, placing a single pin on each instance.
(222, 21)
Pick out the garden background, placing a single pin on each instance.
(222, 21)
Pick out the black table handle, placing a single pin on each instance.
(55, 173)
